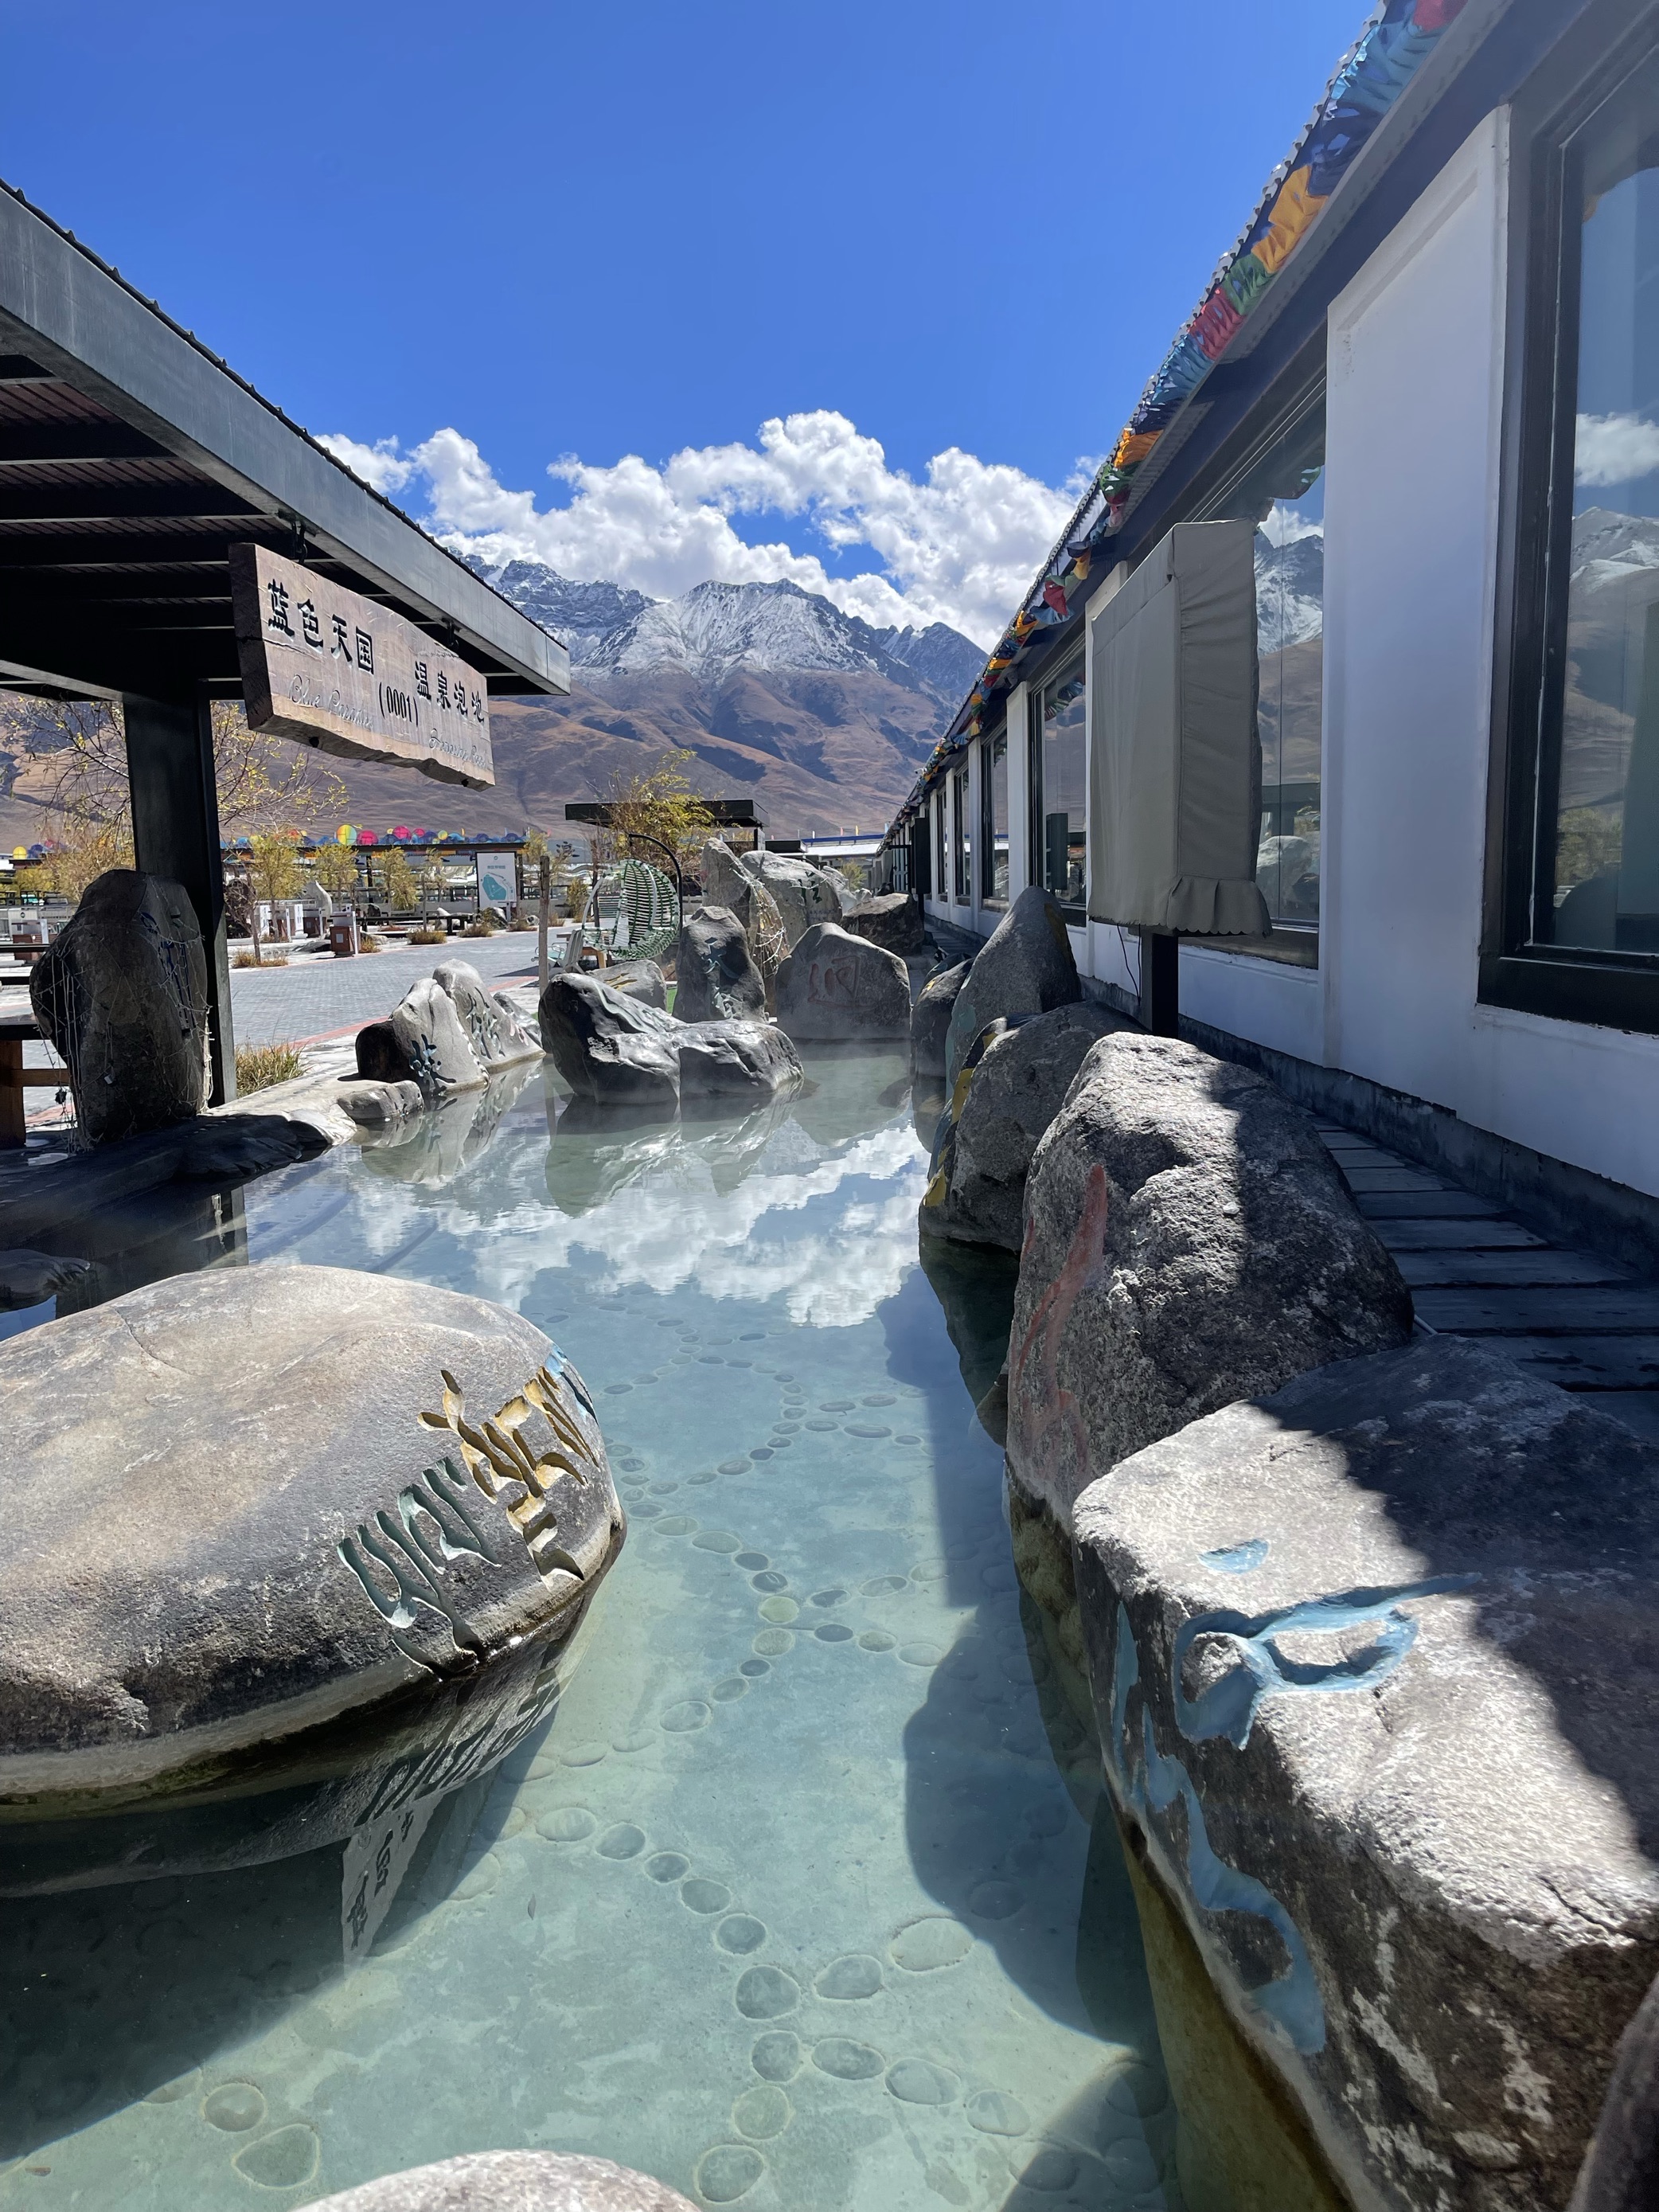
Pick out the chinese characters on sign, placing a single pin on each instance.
(334, 670)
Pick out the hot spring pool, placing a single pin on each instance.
(805, 1896)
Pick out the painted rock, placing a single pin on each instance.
(1189, 1241)
(1026, 966)
(432, 1036)
(254, 1503)
(835, 986)
(497, 1036)
(1376, 1679)
(512, 2181)
(718, 978)
(804, 894)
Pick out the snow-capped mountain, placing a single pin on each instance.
(1290, 591)
(1612, 544)
(714, 629)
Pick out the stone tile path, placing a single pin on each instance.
(317, 996)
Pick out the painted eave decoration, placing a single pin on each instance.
(1397, 39)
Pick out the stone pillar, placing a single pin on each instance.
(175, 833)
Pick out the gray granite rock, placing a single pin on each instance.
(121, 992)
(976, 1192)
(433, 1040)
(381, 1054)
(232, 1147)
(727, 883)
(718, 978)
(1026, 966)
(834, 985)
(494, 1031)
(256, 1501)
(930, 1017)
(29, 1278)
(608, 1047)
(1620, 2172)
(739, 1064)
(378, 1105)
(1375, 1678)
(804, 896)
(892, 919)
(1189, 1241)
(639, 980)
(511, 2181)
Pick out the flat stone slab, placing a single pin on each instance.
(1376, 1676)
(256, 1501)
(512, 2181)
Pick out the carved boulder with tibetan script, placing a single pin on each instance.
(244, 1507)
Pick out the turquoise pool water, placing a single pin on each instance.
(804, 1897)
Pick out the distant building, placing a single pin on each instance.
(1429, 373)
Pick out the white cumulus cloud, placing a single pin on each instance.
(1614, 449)
(958, 544)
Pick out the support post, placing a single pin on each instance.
(1160, 982)
(175, 833)
(544, 895)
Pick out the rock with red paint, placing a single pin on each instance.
(1189, 1242)
(835, 986)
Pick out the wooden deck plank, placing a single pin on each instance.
(1476, 1236)
(1505, 1270)
(1622, 1311)
(1591, 1364)
(1374, 1181)
(1423, 1206)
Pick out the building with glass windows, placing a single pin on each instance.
(1429, 373)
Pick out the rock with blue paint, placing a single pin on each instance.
(258, 1508)
(1188, 1241)
(1377, 1690)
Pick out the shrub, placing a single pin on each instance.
(428, 937)
(270, 960)
(485, 925)
(368, 942)
(259, 1065)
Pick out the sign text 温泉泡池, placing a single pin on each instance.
(333, 669)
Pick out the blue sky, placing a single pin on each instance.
(647, 231)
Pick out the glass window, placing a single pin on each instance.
(1598, 876)
(964, 859)
(1059, 773)
(1282, 491)
(993, 819)
(941, 880)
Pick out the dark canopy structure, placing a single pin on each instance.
(131, 459)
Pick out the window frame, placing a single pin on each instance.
(987, 826)
(961, 850)
(1071, 664)
(1607, 987)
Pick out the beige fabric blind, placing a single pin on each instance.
(1176, 781)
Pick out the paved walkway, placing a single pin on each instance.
(318, 996)
(1565, 1316)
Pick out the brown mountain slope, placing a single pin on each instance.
(813, 750)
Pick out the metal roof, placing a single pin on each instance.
(131, 458)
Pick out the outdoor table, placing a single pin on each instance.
(17, 1024)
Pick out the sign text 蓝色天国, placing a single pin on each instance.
(325, 666)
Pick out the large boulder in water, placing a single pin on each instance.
(1189, 1241)
(494, 1031)
(805, 896)
(930, 1019)
(719, 980)
(641, 980)
(121, 993)
(608, 1047)
(745, 1065)
(515, 2181)
(1377, 1689)
(1026, 966)
(995, 1118)
(891, 918)
(428, 1028)
(726, 882)
(837, 986)
(255, 1502)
